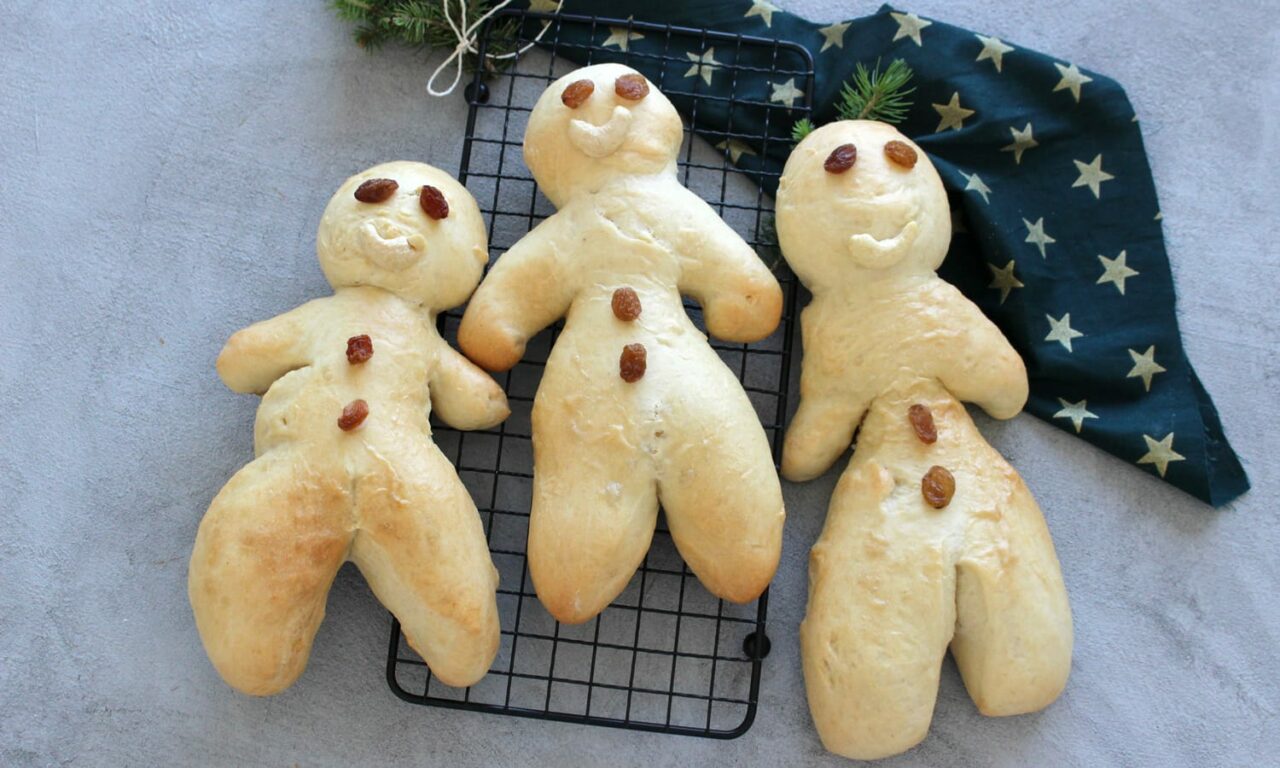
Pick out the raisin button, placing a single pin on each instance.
(359, 349)
(353, 415)
(626, 304)
(632, 363)
(922, 422)
(938, 486)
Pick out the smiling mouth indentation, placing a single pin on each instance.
(597, 141)
(386, 246)
(878, 253)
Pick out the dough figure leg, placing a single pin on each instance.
(422, 548)
(1010, 645)
(725, 518)
(265, 556)
(881, 612)
(591, 525)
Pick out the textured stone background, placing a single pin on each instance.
(162, 170)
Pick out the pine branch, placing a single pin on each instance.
(803, 127)
(876, 95)
(417, 24)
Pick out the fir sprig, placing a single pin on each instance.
(876, 95)
(870, 95)
(803, 127)
(415, 23)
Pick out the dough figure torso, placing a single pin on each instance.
(375, 491)
(607, 450)
(681, 431)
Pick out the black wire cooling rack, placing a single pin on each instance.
(666, 656)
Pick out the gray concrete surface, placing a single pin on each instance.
(163, 165)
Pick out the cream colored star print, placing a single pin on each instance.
(1061, 331)
(1145, 366)
(1003, 279)
(1091, 176)
(1072, 79)
(833, 36)
(763, 10)
(621, 37)
(704, 65)
(953, 115)
(1077, 412)
(786, 93)
(974, 183)
(993, 49)
(1160, 453)
(1115, 271)
(1022, 141)
(1036, 234)
(736, 149)
(909, 25)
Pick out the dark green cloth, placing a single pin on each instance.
(1085, 184)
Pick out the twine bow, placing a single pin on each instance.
(466, 36)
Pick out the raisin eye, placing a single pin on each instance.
(631, 87)
(841, 159)
(577, 92)
(901, 153)
(433, 202)
(376, 190)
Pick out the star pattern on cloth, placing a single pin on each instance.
(1022, 141)
(1077, 412)
(1091, 176)
(544, 6)
(704, 64)
(974, 183)
(1036, 234)
(736, 149)
(1061, 331)
(953, 115)
(762, 9)
(621, 37)
(833, 36)
(1160, 453)
(1115, 271)
(1145, 366)
(993, 49)
(909, 25)
(785, 93)
(1072, 79)
(1003, 279)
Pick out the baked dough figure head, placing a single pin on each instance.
(345, 468)
(906, 567)
(581, 148)
(393, 244)
(877, 219)
(634, 405)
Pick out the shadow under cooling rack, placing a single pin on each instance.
(667, 655)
